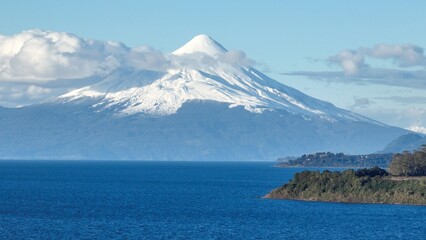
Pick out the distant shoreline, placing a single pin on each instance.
(346, 167)
(337, 160)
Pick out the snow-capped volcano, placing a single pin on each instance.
(201, 102)
(200, 70)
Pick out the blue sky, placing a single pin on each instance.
(299, 43)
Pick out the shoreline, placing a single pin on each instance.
(347, 167)
(268, 196)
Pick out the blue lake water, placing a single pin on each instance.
(180, 200)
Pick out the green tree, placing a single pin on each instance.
(409, 164)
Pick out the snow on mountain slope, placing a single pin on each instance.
(201, 70)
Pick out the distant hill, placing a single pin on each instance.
(406, 142)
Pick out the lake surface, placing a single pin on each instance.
(180, 200)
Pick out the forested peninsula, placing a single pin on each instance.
(328, 159)
(403, 183)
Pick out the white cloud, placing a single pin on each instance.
(350, 61)
(199, 59)
(33, 90)
(236, 57)
(12, 94)
(409, 68)
(419, 129)
(353, 61)
(39, 56)
(403, 55)
(36, 65)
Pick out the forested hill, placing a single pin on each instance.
(362, 186)
(327, 159)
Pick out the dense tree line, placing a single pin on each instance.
(361, 186)
(409, 164)
(328, 159)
